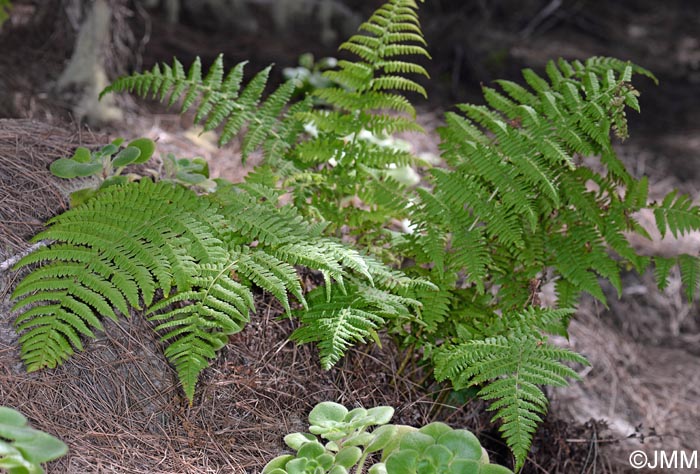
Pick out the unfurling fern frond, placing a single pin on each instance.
(513, 368)
(217, 99)
(131, 243)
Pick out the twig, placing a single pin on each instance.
(9, 263)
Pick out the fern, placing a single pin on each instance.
(217, 99)
(349, 319)
(514, 368)
(515, 208)
(203, 254)
(366, 105)
(5, 7)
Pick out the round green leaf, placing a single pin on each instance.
(348, 456)
(41, 448)
(190, 178)
(82, 155)
(108, 150)
(326, 461)
(326, 412)
(417, 441)
(380, 415)
(311, 450)
(296, 440)
(381, 438)
(296, 466)
(146, 146)
(67, 168)
(126, 156)
(355, 414)
(435, 429)
(379, 468)
(462, 443)
(9, 416)
(338, 470)
(402, 462)
(277, 463)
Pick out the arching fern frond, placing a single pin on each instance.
(513, 368)
(203, 254)
(217, 99)
(347, 319)
(515, 174)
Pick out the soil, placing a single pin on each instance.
(117, 404)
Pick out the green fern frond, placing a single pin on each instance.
(347, 319)
(690, 275)
(513, 369)
(218, 100)
(130, 243)
(216, 307)
(677, 214)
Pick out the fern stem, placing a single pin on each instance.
(406, 359)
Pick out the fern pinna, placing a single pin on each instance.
(132, 244)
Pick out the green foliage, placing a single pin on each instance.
(106, 164)
(516, 367)
(308, 75)
(516, 209)
(330, 156)
(24, 449)
(131, 243)
(5, 7)
(519, 204)
(433, 449)
(217, 100)
(346, 155)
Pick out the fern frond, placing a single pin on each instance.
(513, 368)
(347, 319)
(133, 242)
(217, 99)
(216, 307)
(677, 214)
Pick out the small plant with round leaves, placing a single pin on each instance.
(347, 441)
(190, 172)
(434, 448)
(22, 448)
(107, 164)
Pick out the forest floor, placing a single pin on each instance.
(118, 406)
